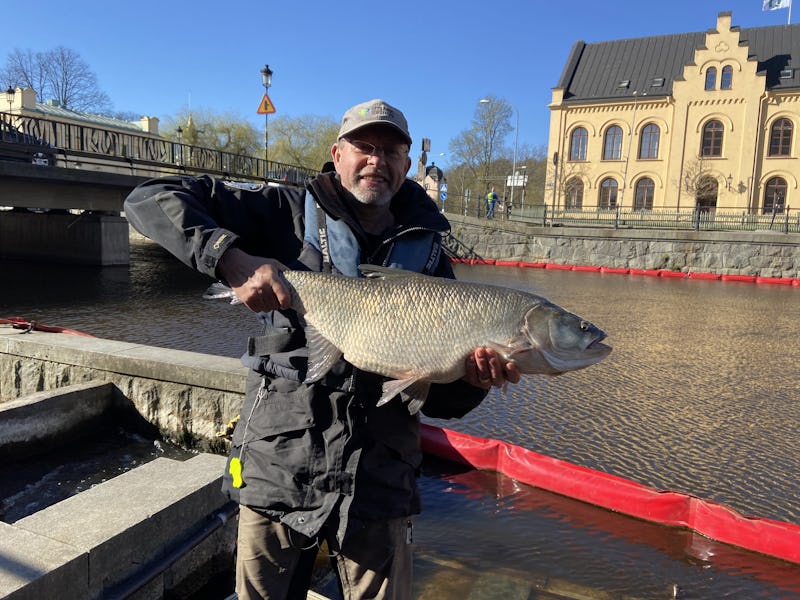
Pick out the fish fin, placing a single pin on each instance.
(413, 391)
(322, 355)
(502, 349)
(374, 271)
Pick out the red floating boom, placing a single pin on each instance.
(711, 519)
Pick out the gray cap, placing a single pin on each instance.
(374, 112)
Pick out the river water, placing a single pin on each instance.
(701, 395)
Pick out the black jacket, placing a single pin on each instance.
(315, 453)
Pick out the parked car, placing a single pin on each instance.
(22, 147)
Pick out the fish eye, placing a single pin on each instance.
(585, 326)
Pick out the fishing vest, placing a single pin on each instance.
(338, 246)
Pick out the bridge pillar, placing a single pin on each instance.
(58, 236)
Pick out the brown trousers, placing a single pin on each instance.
(274, 563)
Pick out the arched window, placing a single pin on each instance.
(648, 147)
(712, 139)
(775, 195)
(726, 81)
(780, 138)
(577, 144)
(608, 194)
(711, 78)
(574, 193)
(645, 188)
(612, 144)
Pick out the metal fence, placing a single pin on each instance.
(785, 220)
(131, 151)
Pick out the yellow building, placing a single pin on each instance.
(680, 121)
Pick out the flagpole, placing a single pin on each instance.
(789, 21)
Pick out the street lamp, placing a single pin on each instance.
(729, 181)
(10, 97)
(628, 154)
(266, 80)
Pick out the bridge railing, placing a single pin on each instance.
(89, 146)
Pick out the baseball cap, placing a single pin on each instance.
(374, 112)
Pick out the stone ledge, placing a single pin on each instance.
(137, 360)
(106, 534)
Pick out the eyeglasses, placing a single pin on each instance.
(390, 152)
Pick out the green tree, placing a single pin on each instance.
(227, 132)
(303, 141)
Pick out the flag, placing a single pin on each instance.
(776, 4)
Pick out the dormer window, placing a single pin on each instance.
(786, 74)
(623, 84)
(657, 82)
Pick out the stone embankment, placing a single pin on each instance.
(159, 530)
(766, 254)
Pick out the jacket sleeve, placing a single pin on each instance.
(198, 218)
(452, 400)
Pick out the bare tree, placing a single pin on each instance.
(59, 74)
(479, 146)
(699, 181)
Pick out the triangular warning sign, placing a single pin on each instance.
(266, 107)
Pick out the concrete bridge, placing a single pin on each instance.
(66, 207)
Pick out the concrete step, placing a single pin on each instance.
(87, 544)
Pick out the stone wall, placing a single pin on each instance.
(189, 397)
(764, 253)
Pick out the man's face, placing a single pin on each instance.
(372, 163)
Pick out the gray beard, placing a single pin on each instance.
(382, 199)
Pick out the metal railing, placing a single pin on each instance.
(128, 152)
(720, 218)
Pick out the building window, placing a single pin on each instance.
(574, 193)
(726, 81)
(780, 138)
(608, 194)
(712, 139)
(643, 200)
(577, 144)
(775, 195)
(612, 144)
(711, 78)
(648, 147)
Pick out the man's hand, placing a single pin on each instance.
(255, 280)
(485, 369)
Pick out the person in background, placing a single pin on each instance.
(319, 462)
(491, 200)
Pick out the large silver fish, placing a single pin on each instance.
(417, 330)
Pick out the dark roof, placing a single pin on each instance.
(597, 71)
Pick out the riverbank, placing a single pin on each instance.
(764, 256)
(667, 273)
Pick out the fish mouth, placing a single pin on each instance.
(597, 345)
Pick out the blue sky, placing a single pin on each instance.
(434, 60)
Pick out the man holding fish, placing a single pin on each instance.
(325, 447)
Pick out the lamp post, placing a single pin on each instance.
(179, 131)
(266, 80)
(628, 153)
(10, 92)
